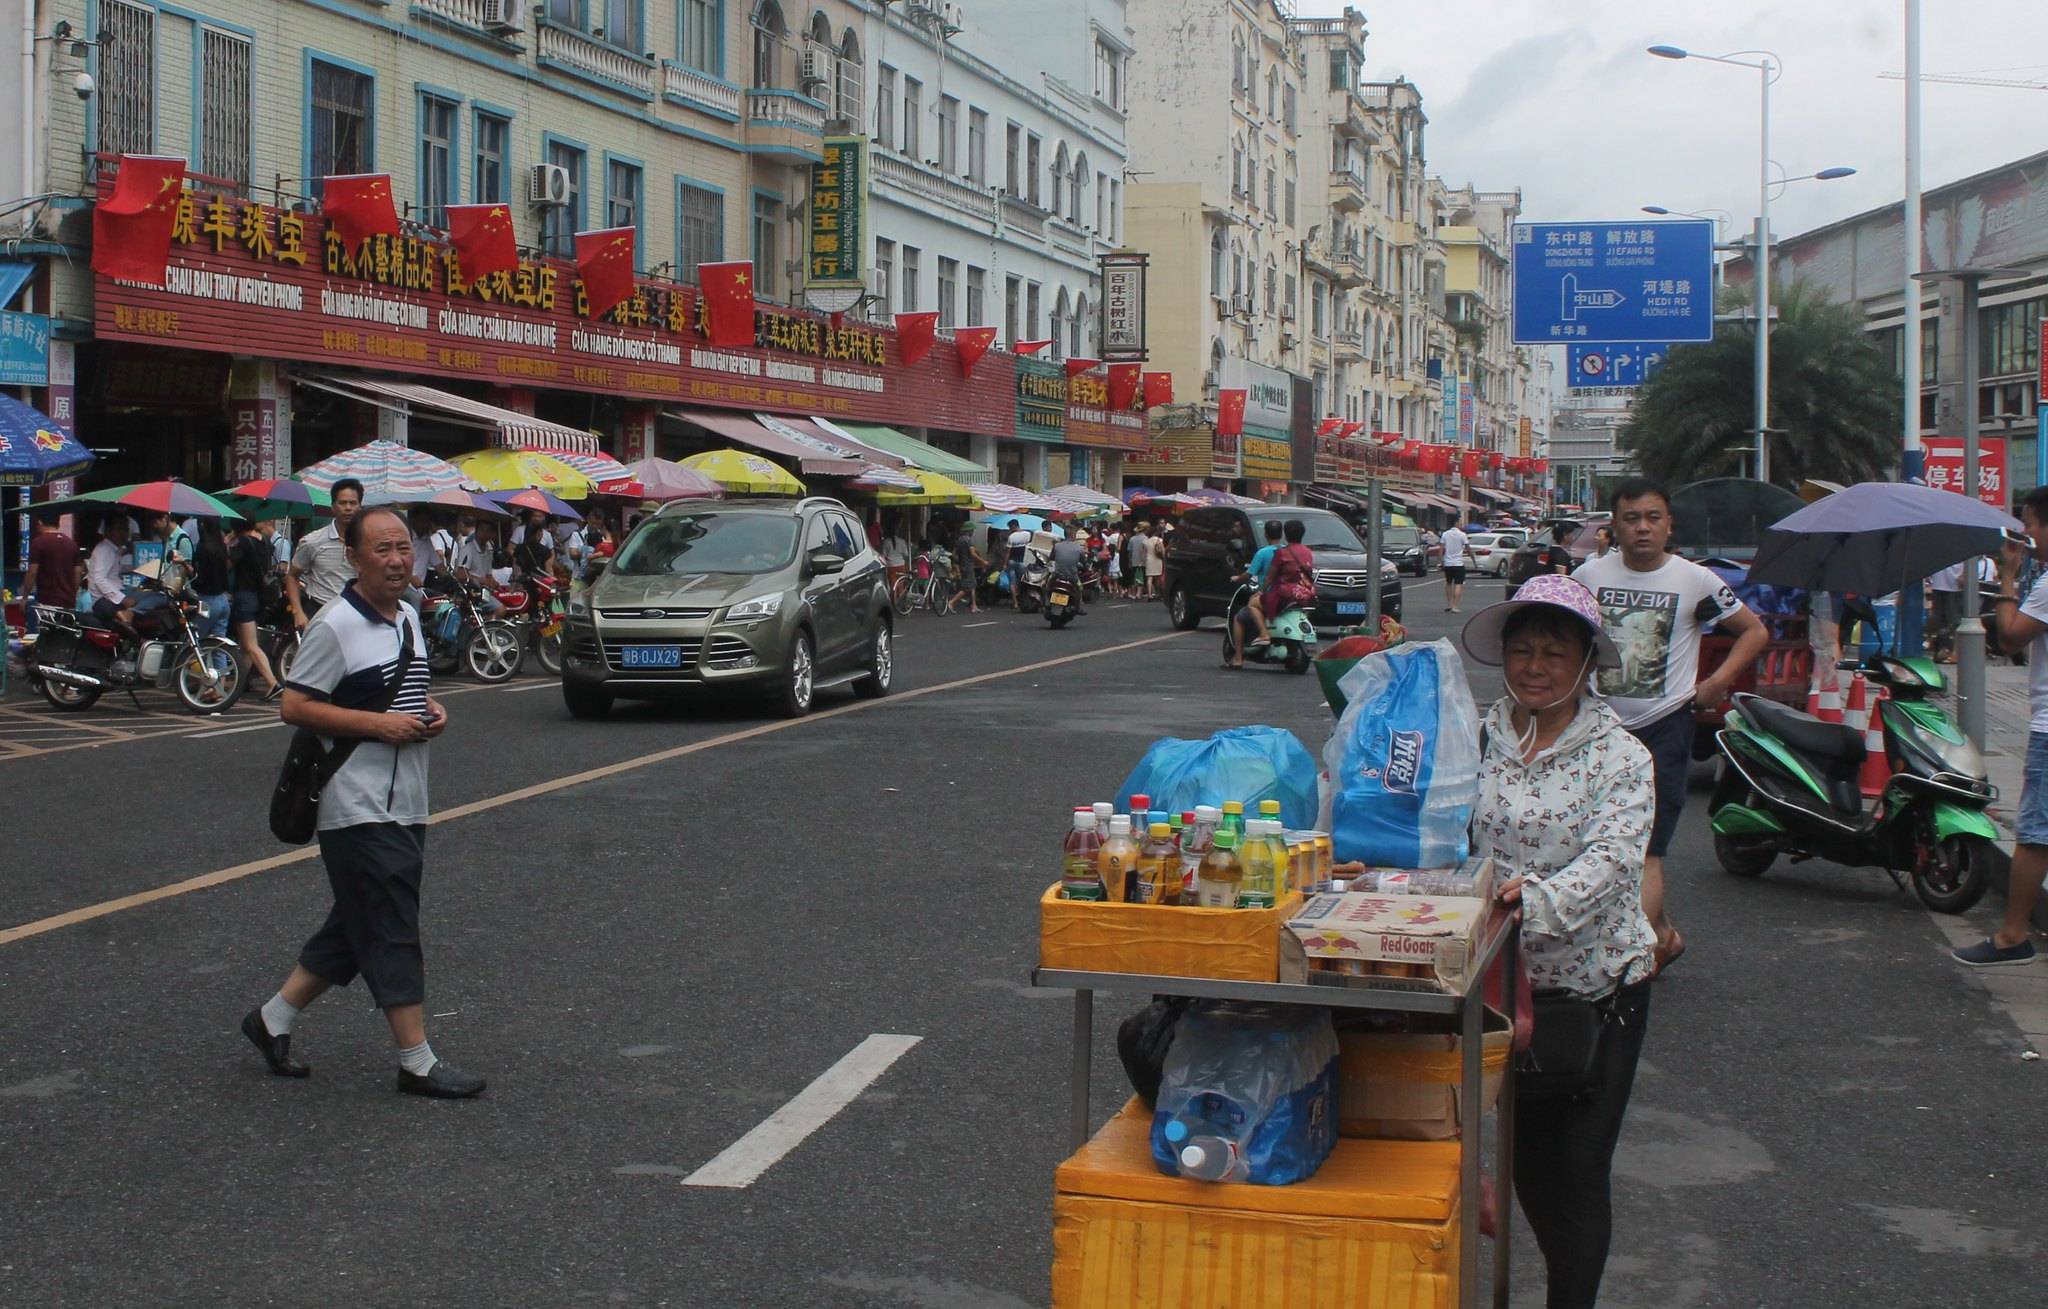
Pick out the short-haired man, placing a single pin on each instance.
(1019, 545)
(361, 673)
(1254, 613)
(1656, 606)
(320, 566)
(1455, 542)
(2023, 625)
(52, 566)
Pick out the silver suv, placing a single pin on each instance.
(781, 594)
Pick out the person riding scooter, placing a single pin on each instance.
(1067, 557)
(1255, 573)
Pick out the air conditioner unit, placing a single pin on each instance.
(502, 16)
(1286, 340)
(815, 69)
(1287, 313)
(547, 186)
(1241, 305)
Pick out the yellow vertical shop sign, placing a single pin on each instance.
(839, 213)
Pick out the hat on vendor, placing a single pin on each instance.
(1481, 637)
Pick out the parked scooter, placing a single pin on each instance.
(1293, 634)
(1037, 572)
(459, 635)
(1791, 785)
(77, 658)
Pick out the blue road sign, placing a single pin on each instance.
(1614, 365)
(1613, 283)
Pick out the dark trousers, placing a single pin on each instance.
(374, 927)
(1564, 1156)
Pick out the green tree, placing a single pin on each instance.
(1833, 394)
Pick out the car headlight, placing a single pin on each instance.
(761, 606)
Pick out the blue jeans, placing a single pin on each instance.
(215, 608)
(2030, 824)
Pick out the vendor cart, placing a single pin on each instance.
(1467, 1010)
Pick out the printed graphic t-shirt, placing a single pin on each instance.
(1655, 620)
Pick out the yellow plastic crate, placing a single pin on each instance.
(1101, 936)
(1375, 1228)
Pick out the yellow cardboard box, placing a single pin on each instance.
(1412, 1087)
(1107, 936)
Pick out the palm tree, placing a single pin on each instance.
(1833, 394)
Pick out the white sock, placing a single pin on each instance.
(279, 1014)
(417, 1059)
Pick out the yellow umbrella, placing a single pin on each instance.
(933, 489)
(749, 474)
(516, 470)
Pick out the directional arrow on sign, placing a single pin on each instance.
(1575, 299)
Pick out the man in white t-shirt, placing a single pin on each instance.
(1454, 569)
(2023, 624)
(1140, 551)
(1656, 605)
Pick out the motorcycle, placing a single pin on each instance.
(77, 658)
(459, 635)
(1062, 601)
(1037, 572)
(541, 632)
(1790, 784)
(1293, 634)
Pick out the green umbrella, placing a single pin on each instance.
(165, 497)
(277, 497)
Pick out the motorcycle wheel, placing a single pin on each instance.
(1737, 858)
(71, 699)
(1957, 879)
(899, 595)
(548, 649)
(281, 663)
(493, 652)
(1058, 620)
(1229, 638)
(1297, 658)
(230, 679)
(1027, 602)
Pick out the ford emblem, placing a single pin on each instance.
(654, 613)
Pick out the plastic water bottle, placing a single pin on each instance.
(1205, 1155)
(1197, 837)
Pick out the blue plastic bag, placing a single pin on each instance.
(1253, 1090)
(1241, 763)
(1403, 764)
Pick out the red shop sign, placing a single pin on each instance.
(1945, 467)
(252, 280)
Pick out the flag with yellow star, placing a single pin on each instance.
(604, 260)
(484, 240)
(728, 291)
(131, 229)
(359, 206)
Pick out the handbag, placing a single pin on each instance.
(1564, 1058)
(308, 768)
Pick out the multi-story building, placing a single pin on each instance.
(1217, 201)
(1477, 228)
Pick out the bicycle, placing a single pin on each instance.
(928, 584)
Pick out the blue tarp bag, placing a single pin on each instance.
(1241, 763)
(1248, 1094)
(1403, 764)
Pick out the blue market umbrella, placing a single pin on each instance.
(1874, 537)
(34, 449)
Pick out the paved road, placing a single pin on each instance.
(652, 933)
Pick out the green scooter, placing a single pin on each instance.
(1293, 634)
(1791, 784)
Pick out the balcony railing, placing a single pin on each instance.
(1022, 216)
(785, 109)
(683, 83)
(481, 15)
(1347, 189)
(934, 186)
(582, 53)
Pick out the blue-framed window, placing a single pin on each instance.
(225, 90)
(625, 201)
(560, 223)
(490, 173)
(766, 231)
(700, 35)
(124, 109)
(620, 23)
(341, 118)
(439, 173)
(700, 226)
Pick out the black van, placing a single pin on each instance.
(1212, 545)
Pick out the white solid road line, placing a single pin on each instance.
(234, 731)
(970, 626)
(742, 1162)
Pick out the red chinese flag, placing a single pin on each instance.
(1539, 466)
(604, 260)
(1329, 426)
(1123, 387)
(1471, 462)
(359, 206)
(1158, 389)
(972, 343)
(728, 291)
(1076, 366)
(131, 229)
(1495, 460)
(1230, 412)
(484, 240)
(915, 334)
(1029, 347)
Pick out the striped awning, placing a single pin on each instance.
(508, 427)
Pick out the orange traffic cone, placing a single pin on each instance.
(1813, 695)
(1831, 701)
(1877, 770)
(1857, 712)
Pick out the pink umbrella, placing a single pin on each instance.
(661, 479)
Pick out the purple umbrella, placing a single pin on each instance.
(1874, 537)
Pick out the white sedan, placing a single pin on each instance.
(1490, 551)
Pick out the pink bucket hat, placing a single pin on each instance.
(1481, 637)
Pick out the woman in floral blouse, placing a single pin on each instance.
(1564, 809)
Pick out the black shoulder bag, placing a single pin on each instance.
(295, 802)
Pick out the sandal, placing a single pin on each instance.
(1667, 954)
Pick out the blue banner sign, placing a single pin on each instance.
(24, 349)
(1615, 365)
(1645, 283)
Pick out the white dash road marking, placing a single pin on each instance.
(742, 1162)
(236, 731)
(970, 626)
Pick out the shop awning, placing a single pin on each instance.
(1336, 497)
(815, 453)
(14, 274)
(1500, 497)
(508, 426)
(918, 454)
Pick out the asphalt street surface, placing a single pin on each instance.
(652, 933)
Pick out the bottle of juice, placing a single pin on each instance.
(1326, 859)
(1117, 861)
(1233, 816)
(1079, 879)
(1179, 823)
(1151, 816)
(1222, 875)
(1269, 810)
(1159, 866)
(1256, 889)
(1197, 837)
(1283, 858)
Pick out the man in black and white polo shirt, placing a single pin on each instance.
(373, 813)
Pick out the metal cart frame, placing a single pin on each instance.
(1467, 1010)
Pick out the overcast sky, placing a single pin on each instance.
(1558, 97)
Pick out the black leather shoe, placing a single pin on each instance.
(444, 1081)
(276, 1050)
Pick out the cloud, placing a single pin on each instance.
(1507, 79)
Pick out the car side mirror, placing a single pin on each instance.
(824, 561)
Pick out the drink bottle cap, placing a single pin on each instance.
(1162, 829)
(1233, 806)
(1140, 803)
(1152, 816)
(1176, 1131)
(1187, 816)
(1193, 1156)
(1084, 821)
(1103, 808)
(1270, 808)
(1226, 840)
(1120, 825)
(1207, 813)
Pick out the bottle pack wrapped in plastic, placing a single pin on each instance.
(1248, 1094)
(1401, 770)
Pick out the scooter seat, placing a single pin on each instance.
(1836, 747)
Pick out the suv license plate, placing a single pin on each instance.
(651, 656)
(1351, 606)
